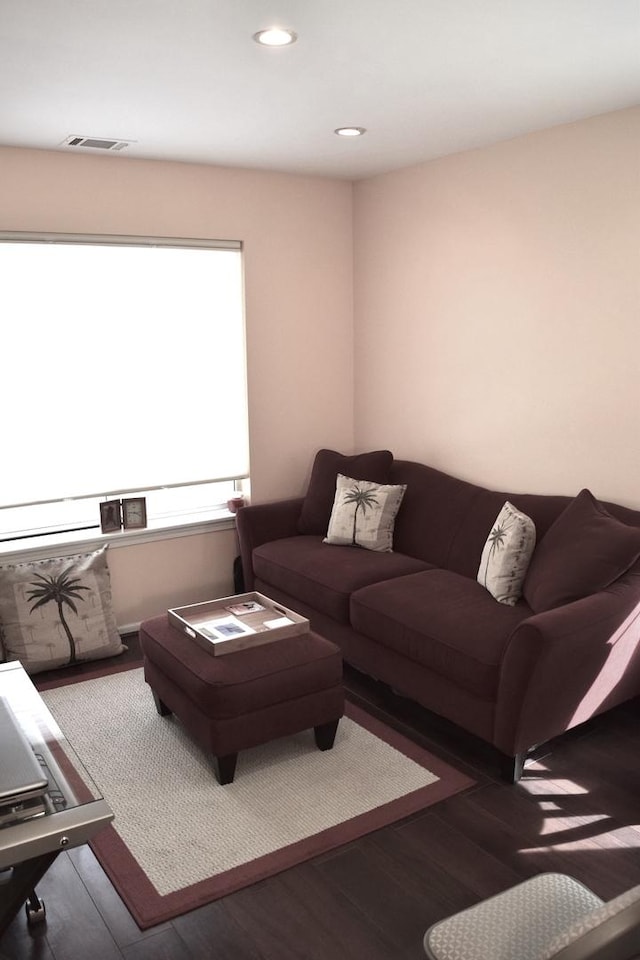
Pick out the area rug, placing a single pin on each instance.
(180, 840)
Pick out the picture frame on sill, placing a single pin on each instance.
(110, 516)
(134, 513)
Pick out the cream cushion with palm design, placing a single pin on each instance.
(57, 612)
(364, 514)
(507, 554)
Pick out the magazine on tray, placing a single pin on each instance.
(224, 628)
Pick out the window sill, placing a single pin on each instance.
(67, 544)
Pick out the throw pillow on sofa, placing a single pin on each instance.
(318, 501)
(57, 612)
(506, 555)
(583, 551)
(364, 514)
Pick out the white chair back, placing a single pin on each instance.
(610, 932)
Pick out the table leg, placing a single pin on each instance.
(21, 886)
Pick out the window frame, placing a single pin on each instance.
(159, 526)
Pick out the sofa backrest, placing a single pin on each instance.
(446, 521)
(433, 510)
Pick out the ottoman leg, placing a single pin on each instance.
(225, 768)
(325, 734)
(161, 707)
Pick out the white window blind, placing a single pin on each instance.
(123, 365)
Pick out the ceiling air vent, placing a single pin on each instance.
(96, 143)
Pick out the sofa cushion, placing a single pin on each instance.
(445, 521)
(584, 551)
(434, 507)
(443, 621)
(316, 509)
(364, 514)
(507, 554)
(324, 576)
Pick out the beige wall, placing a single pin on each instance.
(496, 326)
(147, 578)
(496, 311)
(298, 281)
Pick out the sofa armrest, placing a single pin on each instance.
(566, 665)
(261, 524)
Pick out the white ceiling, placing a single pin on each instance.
(185, 81)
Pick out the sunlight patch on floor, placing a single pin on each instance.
(570, 819)
(551, 825)
(551, 788)
(582, 845)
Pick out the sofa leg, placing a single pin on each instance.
(325, 734)
(161, 707)
(225, 768)
(513, 767)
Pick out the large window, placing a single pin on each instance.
(123, 373)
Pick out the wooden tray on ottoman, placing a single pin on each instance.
(223, 626)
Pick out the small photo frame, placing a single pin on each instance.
(110, 516)
(134, 513)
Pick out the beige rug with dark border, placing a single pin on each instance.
(180, 840)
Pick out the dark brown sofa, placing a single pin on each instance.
(417, 619)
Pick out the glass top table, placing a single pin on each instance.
(68, 814)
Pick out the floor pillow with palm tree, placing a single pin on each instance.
(57, 611)
(364, 513)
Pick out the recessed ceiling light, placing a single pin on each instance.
(275, 37)
(350, 131)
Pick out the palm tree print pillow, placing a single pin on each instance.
(364, 514)
(57, 612)
(507, 554)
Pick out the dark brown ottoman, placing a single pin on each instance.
(242, 699)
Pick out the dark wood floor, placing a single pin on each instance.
(577, 810)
